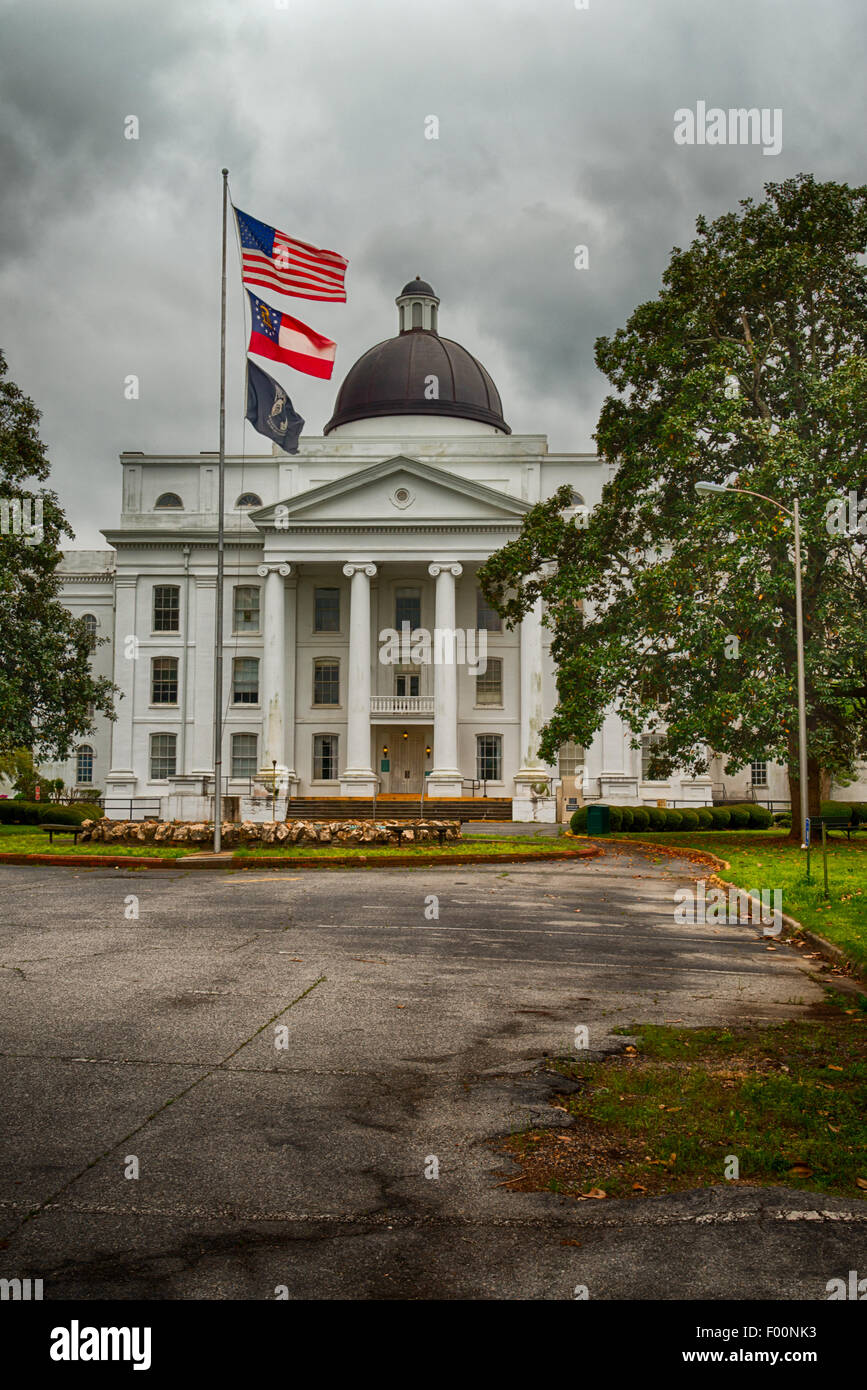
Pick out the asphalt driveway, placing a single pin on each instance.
(286, 1059)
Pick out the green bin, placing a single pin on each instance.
(598, 820)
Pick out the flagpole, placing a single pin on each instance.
(221, 489)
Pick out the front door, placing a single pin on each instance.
(407, 760)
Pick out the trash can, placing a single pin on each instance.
(598, 820)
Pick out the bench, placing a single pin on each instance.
(835, 823)
(52, 830)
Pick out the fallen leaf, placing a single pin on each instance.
(800, 1170)
(595, 1192)
(570, 1242)
(636, 1187)
(862, 1183)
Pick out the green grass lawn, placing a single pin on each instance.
(788, 1101)
(26, 839)
(765, 859)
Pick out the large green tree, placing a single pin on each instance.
(46, 685)
(749, 368)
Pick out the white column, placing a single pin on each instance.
(358, 777)
(445, 779)
(291, 601)
(272, 692)
(532, 703)
(202, 670)
(529, 804)
(121, 780)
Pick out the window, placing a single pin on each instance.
(90, 622)
(570, 759)
(649, 744)
(326, 682)
(407, 608)
(326, 610)
(489, 757)
(84, 763)
(325, 757)
(487, 618)
(759, 772)
(246, 608)
(489, 685)
(168, 499)
(249, 499)
(244, 751)
(245, 680)
(167, 608)
(164, 680)
(406, 682)
(416, 316)
(163, 756)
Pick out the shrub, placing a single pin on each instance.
(61, 815)
(89, 810)
(740, 817)
(615, 817)
(17, 812)
(689, 820)
(852, 809)
(760, 817)
(657, 817)
(640, 818)
(705, 817)
(578, 823)
(721, 817)
(627, 816)
(673, 818)
(783, 818)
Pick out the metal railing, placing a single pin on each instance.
(137, 807)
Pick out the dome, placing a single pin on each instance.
(395, 376)
(418, 286)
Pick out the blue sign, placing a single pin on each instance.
(807, 830)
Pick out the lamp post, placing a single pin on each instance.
(795, 514)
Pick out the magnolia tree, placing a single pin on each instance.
(748, 369)
(46, 685)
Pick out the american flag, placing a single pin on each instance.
(282, 263)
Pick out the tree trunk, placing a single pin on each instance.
(814, 795)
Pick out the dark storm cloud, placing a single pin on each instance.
(555, 130)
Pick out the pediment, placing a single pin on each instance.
(399, 491)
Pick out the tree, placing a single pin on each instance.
(46, 685)
(749, 368)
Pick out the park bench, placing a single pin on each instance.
(52, 830)
(847, 823)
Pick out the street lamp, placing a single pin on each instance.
(795, 514)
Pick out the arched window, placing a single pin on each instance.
(249, 499)
(90, 622)
(83, 763)
(168, 499)
(416, 315)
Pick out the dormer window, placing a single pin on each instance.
(168, 500)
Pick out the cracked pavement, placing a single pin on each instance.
(406, 1037)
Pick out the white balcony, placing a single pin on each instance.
(402, 706)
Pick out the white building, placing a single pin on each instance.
(381, 522)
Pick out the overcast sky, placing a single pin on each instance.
(555, 129)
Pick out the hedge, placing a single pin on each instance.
(689, 819)
(52, 814)
(705, 817)
(13, 812)
(740, 817)
(721, 817)
(640, 818)
(748, 816)
(627, 818)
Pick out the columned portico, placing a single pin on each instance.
(445, 779)
(358, 777)
(273, 692)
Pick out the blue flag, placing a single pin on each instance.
(270, 410)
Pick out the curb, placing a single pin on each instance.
(267, 861)
(792, 925)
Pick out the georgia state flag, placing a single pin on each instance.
(284, 339)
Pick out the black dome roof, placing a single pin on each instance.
(390, 379)
(418, 286)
